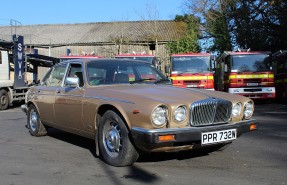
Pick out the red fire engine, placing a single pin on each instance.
(246, 73)
(280, 67)
(192, 70)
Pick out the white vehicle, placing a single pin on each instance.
(13, 86)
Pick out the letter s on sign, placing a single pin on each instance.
(19, 47)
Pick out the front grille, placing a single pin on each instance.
(210, 111)
(253, 90)
(254, 80)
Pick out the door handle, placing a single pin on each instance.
(58, 91)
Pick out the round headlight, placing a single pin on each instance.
(248, 110)
(180, 114)
(236, 110)
(159, 116)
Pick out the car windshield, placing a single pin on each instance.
(250, 63)
(121, 71)
(190, 64)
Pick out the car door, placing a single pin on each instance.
(68, 100)
(45, 92)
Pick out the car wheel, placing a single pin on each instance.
(36, 128)
(4, 99)
(115, 146)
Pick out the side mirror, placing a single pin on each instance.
(72, 81)
(225, 68)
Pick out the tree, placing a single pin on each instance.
(217, 28)
(188, 43)
(255, 24)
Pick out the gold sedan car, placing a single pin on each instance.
(128, 106)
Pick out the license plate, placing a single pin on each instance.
(218, 136)
(252, 84)
(191, 85)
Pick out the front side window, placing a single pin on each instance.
(55, 76)
(281, 66)
(75, 70)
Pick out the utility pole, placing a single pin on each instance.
(14, 23)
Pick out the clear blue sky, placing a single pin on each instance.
(29, 12)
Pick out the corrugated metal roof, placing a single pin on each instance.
(96, 33)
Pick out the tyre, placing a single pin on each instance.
(115, 146)
(36, 128)
(4, 99)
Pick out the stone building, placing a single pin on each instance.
(101, 38)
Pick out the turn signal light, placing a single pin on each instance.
(166, 138)
(253, 127)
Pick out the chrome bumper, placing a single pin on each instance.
(148, 139)
(24, 108)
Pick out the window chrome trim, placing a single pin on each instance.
(109, 99)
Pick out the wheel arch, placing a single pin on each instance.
(34, 104)
(102, 109)
(105, 107)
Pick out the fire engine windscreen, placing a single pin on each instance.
(192, 64)
(250, 63)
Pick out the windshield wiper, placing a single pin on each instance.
(185, 72)
(142, 80)
(153, 80)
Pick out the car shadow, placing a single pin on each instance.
(167, 156)
(89, 144)
(73, 139)
(134, 172)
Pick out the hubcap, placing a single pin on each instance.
(3, 100)
(33, 120)
(112, 140)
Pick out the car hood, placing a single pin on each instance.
(160, 93)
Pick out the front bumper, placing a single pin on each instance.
(148, 140)
(24, 108)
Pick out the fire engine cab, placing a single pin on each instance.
(192, 70)
(246, 73)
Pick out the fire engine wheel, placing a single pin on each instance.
(4, 99)
(36, 128)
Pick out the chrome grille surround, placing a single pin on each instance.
(210, 111)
